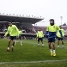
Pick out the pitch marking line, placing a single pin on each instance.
(31, 62)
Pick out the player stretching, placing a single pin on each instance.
(40, 36)
(13, 32)
(59, 37)
(51, 30)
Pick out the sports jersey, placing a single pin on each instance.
(58, 33)
(12, 31)
(51, 31)
(40, 34)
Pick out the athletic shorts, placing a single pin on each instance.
(40, 39)
(12, 37)
(60, 38)
(51, 39)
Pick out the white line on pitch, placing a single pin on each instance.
(30, 62)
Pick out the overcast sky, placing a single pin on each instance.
(45, 8)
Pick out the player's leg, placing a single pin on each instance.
(9, 45)
(42, 41)
(53, 44)
(50, 47)
(38, 41)
(62, 42)
(14, 39)
(13, 45)
(20, 40)
(58, 42)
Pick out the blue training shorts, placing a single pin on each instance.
(12, 37)
(51, 39)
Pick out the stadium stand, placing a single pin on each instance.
(44, 29)
(24, 23)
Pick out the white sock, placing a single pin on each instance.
(42, 44)
(38, 44)
(62, 45)
(21, 42)
(15, 42)
(54, 51)
(58, 46)
(8, 48)
(12, 46)
(51, 50)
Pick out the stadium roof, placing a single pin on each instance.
(14, 18)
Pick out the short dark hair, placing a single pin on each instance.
(51, 20)
(9, 22)
(60, 26)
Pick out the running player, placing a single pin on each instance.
(51, 30)
(13, 32)
(60, 38)
(40, 36)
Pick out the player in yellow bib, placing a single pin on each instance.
(51, 33)
(20, 37)
(59, 37)
(40, 36)
(13, 32)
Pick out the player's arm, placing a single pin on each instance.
(59, 30)
(21, 32)
(63, 30)
(37, 36)
(47, 31)
(42, 33)
(17, 31)
(6, 33)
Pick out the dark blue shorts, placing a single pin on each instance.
(60, 38)
(40, 39)
(51, 39)
(12, 37)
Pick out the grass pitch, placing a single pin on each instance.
(30, 51)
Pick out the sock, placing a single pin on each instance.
(15, 42)
(38, 44)
(42, 44)
(21, 42)
(54, 51)
(50, 50)
(58, 46)
(8, 48)
(12, 46)
(62, 45)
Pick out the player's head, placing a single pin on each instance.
(60, 27)
(51, 22)
(40, 29)
(19, 29)
(10, 23)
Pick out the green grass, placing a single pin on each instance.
(29, 51)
